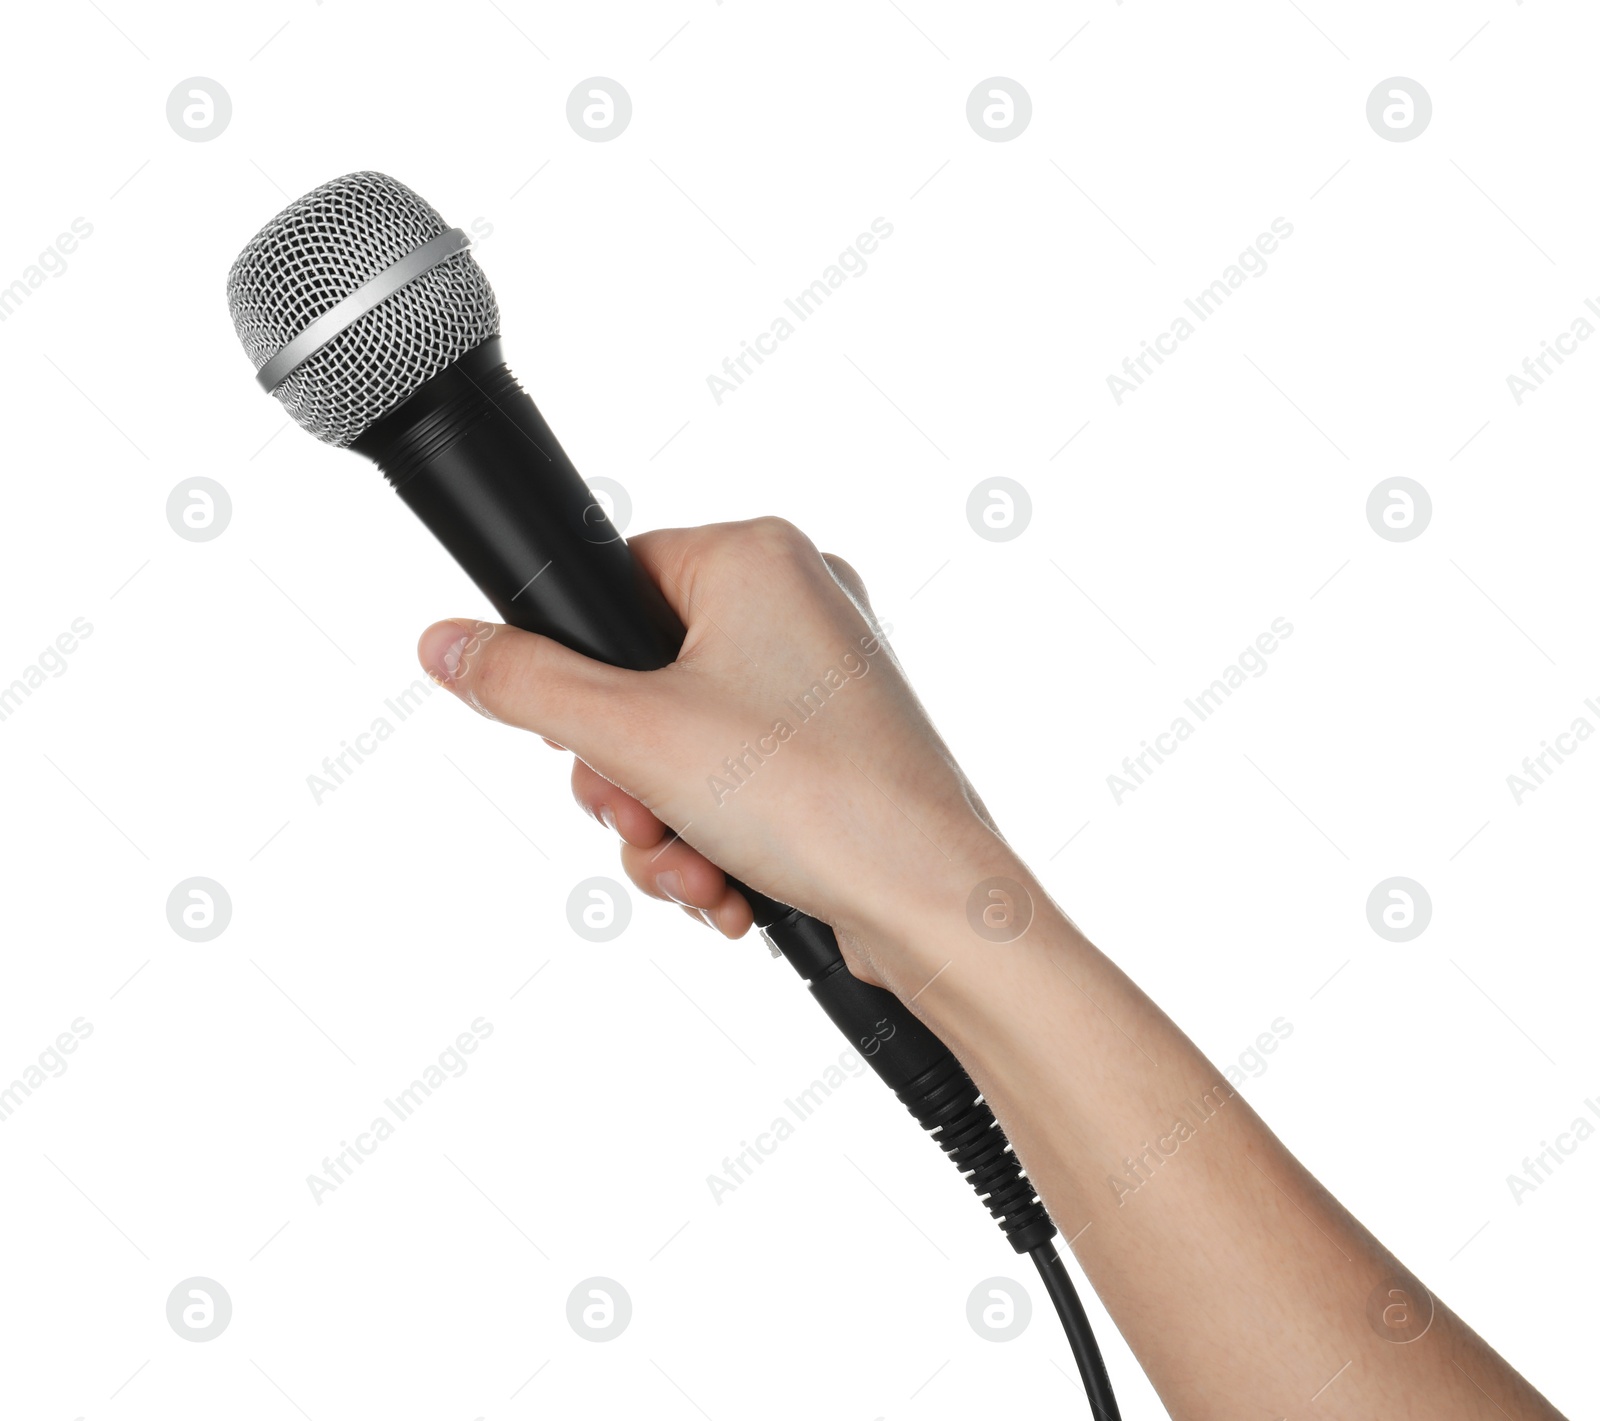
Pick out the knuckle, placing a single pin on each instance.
(496, 671)
(757, 541)
(778, 533)
(716, 538)
(774, 545)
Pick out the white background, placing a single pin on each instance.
(369, 930)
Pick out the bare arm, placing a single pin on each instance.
(1240, 1283)
(788, 747)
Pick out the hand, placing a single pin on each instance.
(850, 807)
(784, 744)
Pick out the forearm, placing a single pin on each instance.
(1240, 1283)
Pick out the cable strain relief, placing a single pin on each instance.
(1032, 1236)
(944, 1100)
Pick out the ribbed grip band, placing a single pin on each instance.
(945, 1101)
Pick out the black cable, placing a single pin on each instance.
(1085, 1351)
(939, 1093)
(945, 1101)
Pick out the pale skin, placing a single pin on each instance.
(1243, 1287)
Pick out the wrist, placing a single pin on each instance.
(975, 946)
(965, 895)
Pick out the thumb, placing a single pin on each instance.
(525, 680)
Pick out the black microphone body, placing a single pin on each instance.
(472, 456)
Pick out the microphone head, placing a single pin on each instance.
(411, 301)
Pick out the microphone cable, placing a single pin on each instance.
(946, 1102)
(943, 1099)
(1075, 1323)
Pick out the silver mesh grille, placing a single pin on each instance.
(315, 253)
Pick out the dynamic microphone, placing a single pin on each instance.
(366, 316)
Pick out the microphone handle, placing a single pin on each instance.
(472, 456)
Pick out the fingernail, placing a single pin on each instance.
(608, 818)
(671, 883)
(441, 652)
(710, 921)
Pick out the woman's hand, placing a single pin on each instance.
(784, 744)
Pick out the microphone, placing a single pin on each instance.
(366, 316)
